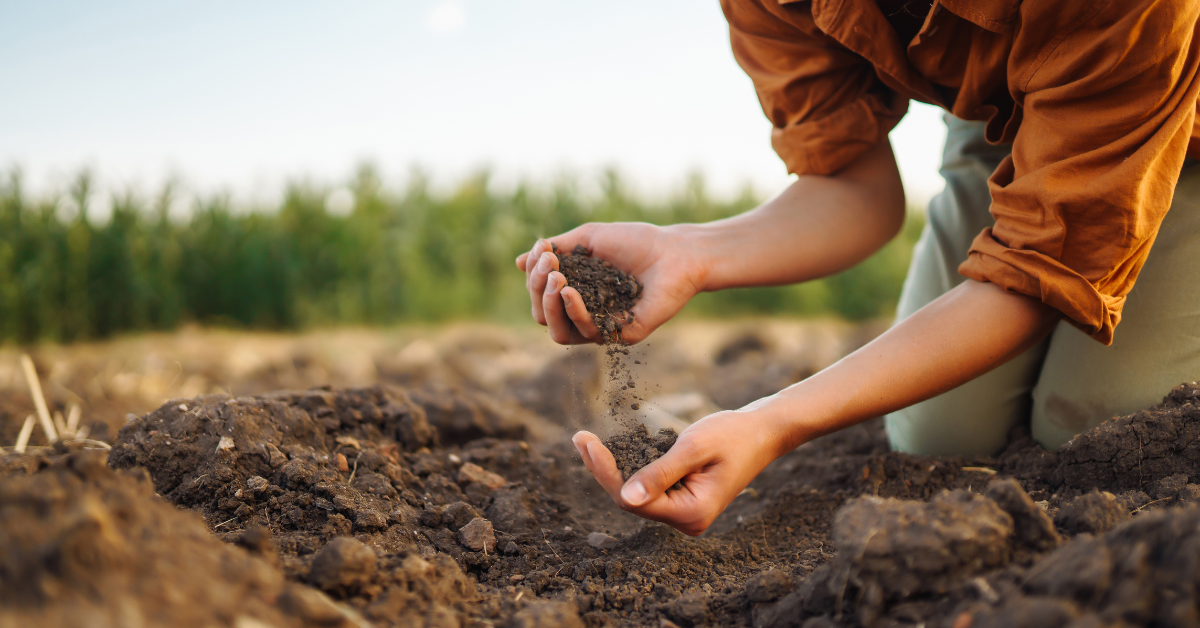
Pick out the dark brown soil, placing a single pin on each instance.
(83, 545)
(386, 506)
(608, 293)
(636, 448)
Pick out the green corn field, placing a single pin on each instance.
(399, 256)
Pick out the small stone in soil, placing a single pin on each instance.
(600, 540)
(343, 564)
(471, 472)
(478, 535)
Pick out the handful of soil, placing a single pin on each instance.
(608, 293)
(635, 448)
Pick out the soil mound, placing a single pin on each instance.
(608, 293)
(389, 506)
(635, 448)
(82, 545)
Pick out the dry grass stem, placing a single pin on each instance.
(99, 444)
(60, 425)
(39, 400)
(23, 436)
(73, 414)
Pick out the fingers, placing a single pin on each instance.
(653, 480)
(561, 329)
(535, 281)
(575, 310)
(521, 261)
(599, 460)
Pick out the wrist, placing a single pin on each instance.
(694, 245)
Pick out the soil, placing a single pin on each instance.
(608, 293)
(636, 448)
(400, 506)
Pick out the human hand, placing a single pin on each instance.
(714, 458)
(671, 273)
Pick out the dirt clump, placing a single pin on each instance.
(635, 448)
(608, 292)
(83, 545)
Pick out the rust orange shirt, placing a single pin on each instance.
(1097, 97)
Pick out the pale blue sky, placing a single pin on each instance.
(245, 95)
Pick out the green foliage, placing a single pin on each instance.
(408, 256)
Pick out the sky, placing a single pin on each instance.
(244, 96)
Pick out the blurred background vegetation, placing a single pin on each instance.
(394, 256)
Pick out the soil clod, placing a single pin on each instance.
(608, 293)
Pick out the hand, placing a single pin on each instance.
(671, 273)
(714, 458)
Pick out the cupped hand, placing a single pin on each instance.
(714, 459)
(670, 270)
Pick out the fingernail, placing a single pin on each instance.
(634, 494)
(543, 264)
(582, 452)
(552, 285)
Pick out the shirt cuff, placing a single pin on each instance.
(1042, 277)
(825, 145)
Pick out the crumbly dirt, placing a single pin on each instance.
(636, 448)
(401, 506)
(608, 293)
(83, 545)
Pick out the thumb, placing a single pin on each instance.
(653, 480)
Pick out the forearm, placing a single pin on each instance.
(817, 227)
(959, 336)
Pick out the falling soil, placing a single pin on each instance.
(635, 448)
(389, 506)
(608, 293)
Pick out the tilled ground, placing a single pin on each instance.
(390, 506)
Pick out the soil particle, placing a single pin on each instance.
(546, 615)
(1032, 526)
(769, 585)
(635, 448)
(608, 293)
(1094, 513)
(471, 472)
(478, 535)
(602, 541)
(343, 565)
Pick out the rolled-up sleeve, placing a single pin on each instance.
(1108, 100)
(825, 103)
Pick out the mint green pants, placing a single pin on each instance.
(1069, 382)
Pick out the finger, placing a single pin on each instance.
(580, 440)
(532, 257)
(561, 329)
(604, 468)
(537, 284)
(599, 460)
(577, 312)
(521, 262)
(652, 481)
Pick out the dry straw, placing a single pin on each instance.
(23, 437)
(35, 391)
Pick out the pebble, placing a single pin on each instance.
(343, 563)
(478, 535)
(600, 540)
(343, 465)
(257, 484)
(471, 472)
